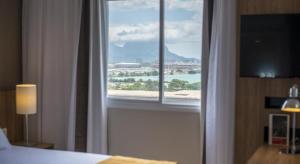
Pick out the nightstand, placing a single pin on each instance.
(36, 145)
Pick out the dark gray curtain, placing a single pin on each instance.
(207, 29)
(210, 5)
(82, 81)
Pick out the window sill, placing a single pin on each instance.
(150, 105)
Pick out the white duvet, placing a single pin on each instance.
(23, 155)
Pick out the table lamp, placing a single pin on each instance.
(292, 104)
(26, 103)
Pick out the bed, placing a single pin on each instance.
(10, 154)
(24, 155)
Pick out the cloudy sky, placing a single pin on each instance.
(137, 20)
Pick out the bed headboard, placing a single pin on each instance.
(8, 117)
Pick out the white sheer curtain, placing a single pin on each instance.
(97, 111)
(50, 42)
(220, 113)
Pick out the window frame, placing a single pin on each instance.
(115, 102)
(118, 103)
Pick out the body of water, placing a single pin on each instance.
(191, 78)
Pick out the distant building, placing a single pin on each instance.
(178, 65)
(127, 65)
(111, 66)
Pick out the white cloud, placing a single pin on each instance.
(189, 30)
(193, 5)
(183, 31)
(190, 5)
(134, 4)
(136, 32)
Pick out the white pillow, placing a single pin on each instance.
(4, 143)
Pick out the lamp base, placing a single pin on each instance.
(288, 150)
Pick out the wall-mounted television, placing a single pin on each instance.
(270, 46)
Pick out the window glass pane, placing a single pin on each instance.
(133, 58)
(183, 44)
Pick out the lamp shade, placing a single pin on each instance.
(26, 99)
(291, 105)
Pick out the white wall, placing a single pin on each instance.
(161, 135)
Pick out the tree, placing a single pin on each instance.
(192, 72)
(154, 73)
(172, 72)
(177, 84)
(194, 86)
(151, 85)
(135, 86)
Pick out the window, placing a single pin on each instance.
(155, 50)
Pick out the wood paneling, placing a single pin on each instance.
(8, 117)
(268, 6)
(251, 117)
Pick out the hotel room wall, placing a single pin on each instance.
(8, 117)
(10, 44)
(251, 116)
(140, 133)
(155, 134)
(10, 66)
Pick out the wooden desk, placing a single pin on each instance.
(271, 155)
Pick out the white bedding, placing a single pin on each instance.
(23, 155)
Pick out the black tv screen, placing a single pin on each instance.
(270, 46)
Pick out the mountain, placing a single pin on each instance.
(143, 52)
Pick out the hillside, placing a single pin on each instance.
(142, 52)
